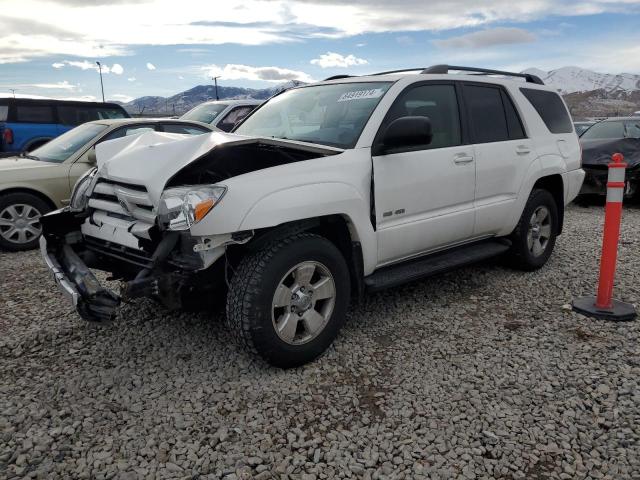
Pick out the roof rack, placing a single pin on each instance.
(483, 71)
(337, 77)
(443, 69)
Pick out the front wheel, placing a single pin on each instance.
(288, 301)
(20, 226)
(535, 235)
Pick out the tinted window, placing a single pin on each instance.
(605, 130)
(4, 112)
(437, 102)
(514, 124)
(233, 117)
(34, 114)
(184, 129)
(486, 113)
(550, 108)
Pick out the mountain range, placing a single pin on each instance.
(588, 93)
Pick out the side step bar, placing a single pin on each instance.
(435, 263)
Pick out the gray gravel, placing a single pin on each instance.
(480, 373)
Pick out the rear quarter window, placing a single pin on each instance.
(551, 109)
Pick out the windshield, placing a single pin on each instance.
(333, 115)
(604, 130)
(205, 113)
(62, 147)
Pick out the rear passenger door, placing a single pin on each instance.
(34, 124)
(503, 153)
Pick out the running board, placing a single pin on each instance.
(435, 263)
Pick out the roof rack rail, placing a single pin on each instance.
(337, 77)
(483, 71)
(402, 70)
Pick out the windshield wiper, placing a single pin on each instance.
(29, 156)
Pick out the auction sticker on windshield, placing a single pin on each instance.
(361, 94)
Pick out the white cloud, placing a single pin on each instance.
(121, 97)
(57, 65)
(150, 66)
(72, 28)
(332, 59)
(117, 69)
(180, 77)
(64, 85)
(131, 79)
(360, 45)
(246, 72)
(488, 38)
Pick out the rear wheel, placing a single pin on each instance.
(535, 235)
(20, 226)
(288, 301)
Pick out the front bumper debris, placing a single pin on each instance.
(92, 301)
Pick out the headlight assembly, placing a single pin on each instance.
(79, 196)
(185, 206)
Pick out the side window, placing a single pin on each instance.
(128, 131)
(184, 129)
(68, 115)
(632, 129)
(4, 112)
(437, 102)
(486, 114)
(34, 114)
(514, 124)
(550, 108)
(233, 117)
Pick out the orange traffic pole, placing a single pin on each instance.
(603, 305)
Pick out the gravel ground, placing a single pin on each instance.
(479, 373)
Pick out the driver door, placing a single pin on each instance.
(424, 195)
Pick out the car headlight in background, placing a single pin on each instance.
(185, 206)
(79, 195)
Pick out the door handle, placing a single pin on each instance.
(462, 158)
(522, 150)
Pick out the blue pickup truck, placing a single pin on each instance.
(26, 124)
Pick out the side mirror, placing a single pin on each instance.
(91, 156)
(406, 132)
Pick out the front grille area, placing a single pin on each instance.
(118, 252)
(122, 200)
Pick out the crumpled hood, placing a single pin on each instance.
(598, 152)
(152, 158)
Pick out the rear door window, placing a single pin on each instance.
(486, 113)
(551, 109)
(34, 114)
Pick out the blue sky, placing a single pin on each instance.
(161, 47)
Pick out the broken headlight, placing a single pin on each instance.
(184, 206)
(80, 193)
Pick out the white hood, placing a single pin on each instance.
(152, 158)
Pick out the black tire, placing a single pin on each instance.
(520, 255)
(250, 314)
(18, 200)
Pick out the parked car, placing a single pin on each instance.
(223, 114)
(613, 135)
(35, 183)
(26, 124)
(582, 127)
(325, 191)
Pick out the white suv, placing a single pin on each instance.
(322, 193)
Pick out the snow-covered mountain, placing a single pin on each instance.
(575, 79)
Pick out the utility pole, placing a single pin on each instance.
(101, 84)
(215, 80)
(13, 90)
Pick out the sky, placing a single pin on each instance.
(162, 47)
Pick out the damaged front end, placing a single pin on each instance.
(596, 156)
